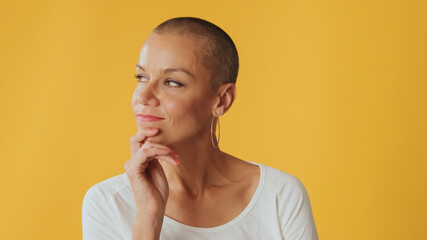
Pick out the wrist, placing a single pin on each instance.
(147, 228)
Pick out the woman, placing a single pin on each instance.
(178, 184)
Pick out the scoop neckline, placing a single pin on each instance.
(234, 221)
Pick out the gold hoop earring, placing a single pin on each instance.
(219, 133)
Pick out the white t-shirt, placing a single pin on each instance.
(279, 209)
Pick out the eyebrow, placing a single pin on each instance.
(169, 70)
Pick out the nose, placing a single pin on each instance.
(148, 95)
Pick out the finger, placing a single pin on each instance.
(138, 139)
(138, 162)
(173, 154)
(151, 144)
(169, 159)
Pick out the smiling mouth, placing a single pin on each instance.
(148, 118)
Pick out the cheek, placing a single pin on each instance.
(179, 109)
(186, 111)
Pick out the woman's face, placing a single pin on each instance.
(173, 88)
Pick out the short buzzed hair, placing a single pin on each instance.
(220, 53)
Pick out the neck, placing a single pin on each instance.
(199, 167)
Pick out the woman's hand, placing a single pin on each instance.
(148, 180)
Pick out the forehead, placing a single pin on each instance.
(161, 51)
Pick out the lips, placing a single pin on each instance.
(148, 118)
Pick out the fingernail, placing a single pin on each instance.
(176, 160)
(175, 154)
(153, 129)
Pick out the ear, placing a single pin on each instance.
(224, 99)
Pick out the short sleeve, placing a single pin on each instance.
(98, 216)
(297, 217)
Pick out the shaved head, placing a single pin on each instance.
(219, 54)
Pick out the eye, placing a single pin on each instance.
(172, 83)
(141, 78)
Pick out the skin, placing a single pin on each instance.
(174, 170)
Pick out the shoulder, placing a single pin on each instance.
(106, 189)
(101, 208)
(282, 183)
(292, 204)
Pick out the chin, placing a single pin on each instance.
(159, 139)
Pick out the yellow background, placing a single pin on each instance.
(333, 92)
